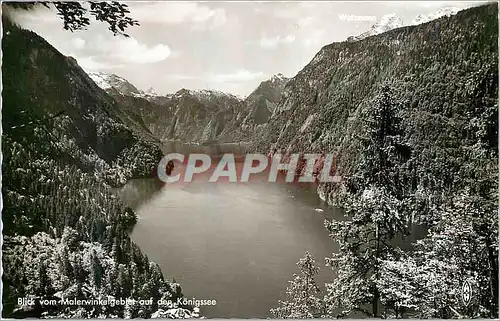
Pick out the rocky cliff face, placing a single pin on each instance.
(199, 115)
(187, 115)
(438, 71)
(256, 110)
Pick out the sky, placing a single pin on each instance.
(227, 46)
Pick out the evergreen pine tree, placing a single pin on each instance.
(303, 293)
(373, 205)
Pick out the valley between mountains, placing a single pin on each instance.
(197, 116)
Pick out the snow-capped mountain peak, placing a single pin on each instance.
(392, 21)
(279, 77)
(109, 81)
(120, 84)
(151, 91)
(423, 18)
(100, 79)
(204, 94)
(386, 23)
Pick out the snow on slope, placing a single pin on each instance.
(388, 22)
(278, 78)
(122, 85)
(100, 79)
(392, 21)
(421, 18)
(204, 94)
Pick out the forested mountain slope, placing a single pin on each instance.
(443, 73)
(412, 115)
(64, 143)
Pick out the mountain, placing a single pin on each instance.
(193, 115)
(256, 109)
(113, 83)
(268, 92)
(392, 21)
(65, 143)
(437, 77)
(439, 80)
(411, 117)
(187, 115)
(386, 23)
(109, 81)
(443, 12)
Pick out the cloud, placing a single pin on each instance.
(199, 15)
(132, 51)
(294, 10)
(78, 43)
(218, 19)
(105, 52)
(304, 22)
(433, 4)
(105, 48)
(98, 50)
(37, 15)
(238, 76)
(90, 64)
(274, 42)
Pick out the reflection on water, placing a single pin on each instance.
(236, 243)
(138, 191)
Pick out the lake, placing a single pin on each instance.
(236, 243)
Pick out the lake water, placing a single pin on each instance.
(236, 243)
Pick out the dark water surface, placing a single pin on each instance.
(236, 243)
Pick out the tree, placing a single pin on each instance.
(45, 287)
(97, 270)
(302, 293)
(373, 201)
(68, 229)
(364, 239)
(383, 150)
(428, 282)
(75, 15)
